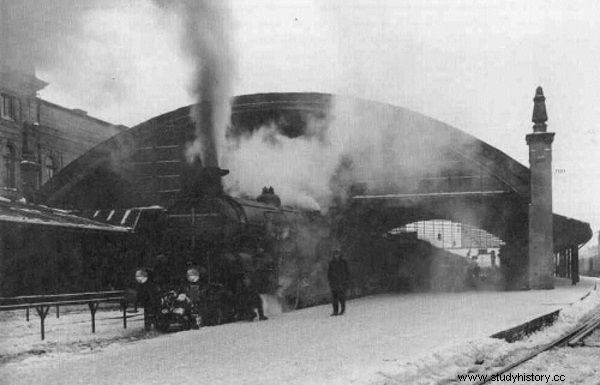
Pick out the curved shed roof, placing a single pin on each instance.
(140, 166)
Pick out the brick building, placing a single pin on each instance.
(38, 138)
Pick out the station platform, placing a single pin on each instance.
(303, 347)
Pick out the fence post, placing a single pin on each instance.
(27, 314)
(124, 307)
(93, 307)
(42, 312)
(57, 312)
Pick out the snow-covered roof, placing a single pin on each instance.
(39, 215)
(128, 217)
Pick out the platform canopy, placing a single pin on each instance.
(18, 213)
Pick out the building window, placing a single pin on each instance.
(49, 168)
(10, 166)
(40, 172)
(34, 111)
(10, 107)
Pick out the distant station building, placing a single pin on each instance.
(38, 138)
(43, 250)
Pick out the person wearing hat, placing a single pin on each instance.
(162, 272)
(338, 277)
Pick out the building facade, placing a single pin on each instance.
(38, 138)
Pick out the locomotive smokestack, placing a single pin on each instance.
(199, 182)
(205, 131)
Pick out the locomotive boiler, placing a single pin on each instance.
(209, 242)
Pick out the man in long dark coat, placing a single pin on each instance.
(338, 276)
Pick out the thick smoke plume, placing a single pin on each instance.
(206, 41)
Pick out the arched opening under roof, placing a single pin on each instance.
(474, 244)
(456, 237)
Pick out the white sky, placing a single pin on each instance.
(472, 64)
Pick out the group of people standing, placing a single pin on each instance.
(338, 276)
(239, 297)
(247, 298)
(240, 280)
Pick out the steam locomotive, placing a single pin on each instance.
(208, 242)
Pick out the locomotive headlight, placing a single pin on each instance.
(141, 276)
(179, 311)
(193, 275)
(182, 297)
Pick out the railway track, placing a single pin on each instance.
(575, 337)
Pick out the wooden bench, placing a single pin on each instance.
(42, 304)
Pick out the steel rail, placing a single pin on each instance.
(592, 320)
(579, 337)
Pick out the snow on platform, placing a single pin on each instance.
(69, 333)
(579, 365)
(303, 347)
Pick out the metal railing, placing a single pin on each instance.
(43, 303)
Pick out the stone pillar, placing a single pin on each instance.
(574, 264)
(541, 241)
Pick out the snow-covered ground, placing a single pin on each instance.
(485, 356)
(71, 332)
(382, 339)
(579, 365)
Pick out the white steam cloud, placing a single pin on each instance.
(370, 143)
(299, 169)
